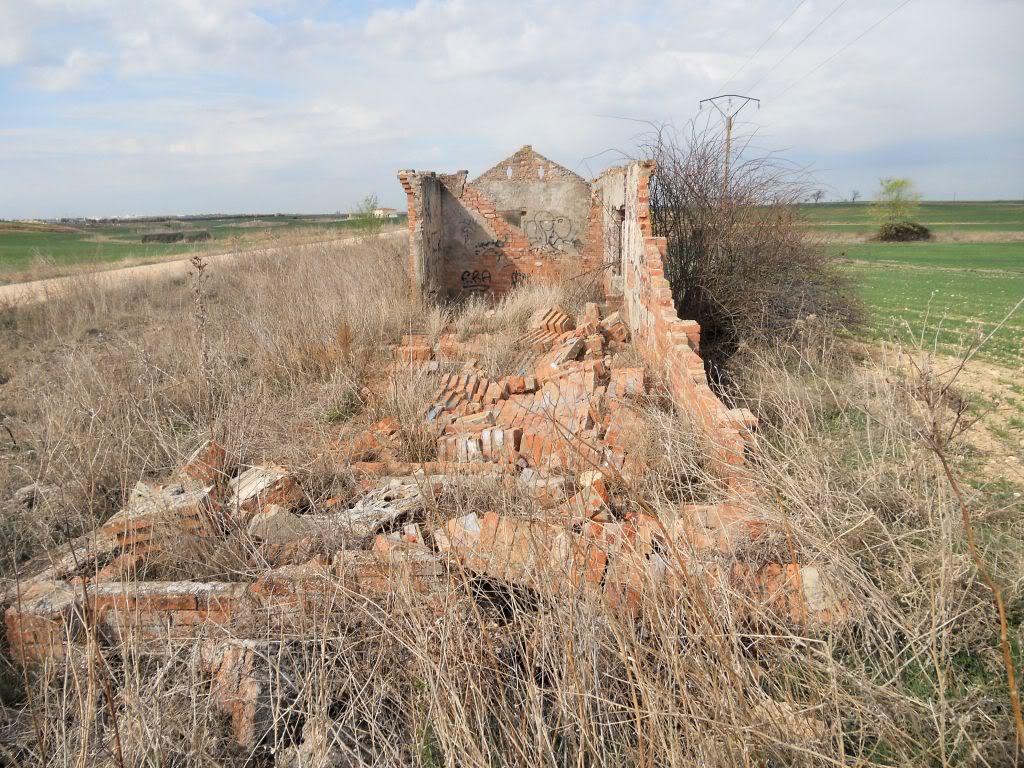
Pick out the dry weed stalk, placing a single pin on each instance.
(938, 433)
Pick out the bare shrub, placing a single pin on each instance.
(738, 259)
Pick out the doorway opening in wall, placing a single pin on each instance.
(618, 219)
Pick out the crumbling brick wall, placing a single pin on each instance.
(670, 345)
(527, 218)
(549, 203)
(426, 269)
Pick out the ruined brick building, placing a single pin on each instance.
(558, 432)
(529, 218)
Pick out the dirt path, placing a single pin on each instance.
(938, 236)
(21, 294)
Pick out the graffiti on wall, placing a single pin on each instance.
(488, 270)
(476, 280)
(552, 231)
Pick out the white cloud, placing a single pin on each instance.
(245, 99)
(77, 65)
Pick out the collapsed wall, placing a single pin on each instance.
(528, 218)
(635, 271)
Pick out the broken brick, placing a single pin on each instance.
(552, 319)
(208, 464)
(615, 328)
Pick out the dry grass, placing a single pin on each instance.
(109, 387)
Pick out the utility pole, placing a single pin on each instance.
(728, 113)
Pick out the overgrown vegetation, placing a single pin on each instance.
(107, 387)
(738, 260)
(903, 232)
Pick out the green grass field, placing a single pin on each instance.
(950, 309)
(103, 243)
(19, 250)
(943, 295)
(939, 216)
(1008, 257)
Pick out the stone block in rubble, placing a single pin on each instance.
(552, 319)
(258, 487)
(615, 328)
(591, 313)
(162, 517)
(566, 352)
(276, 525)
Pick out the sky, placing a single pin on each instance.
(143, 107)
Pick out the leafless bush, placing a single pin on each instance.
(738, 259)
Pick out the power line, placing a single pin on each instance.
(803, 40)
(767, 40)
(840, 51)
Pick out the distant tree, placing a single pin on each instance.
(366, 217)
(854, 195)
(817, 195)
(896, 201)
(895, 208)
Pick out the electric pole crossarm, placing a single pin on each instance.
(728, 113)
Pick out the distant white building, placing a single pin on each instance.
(385, 213)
